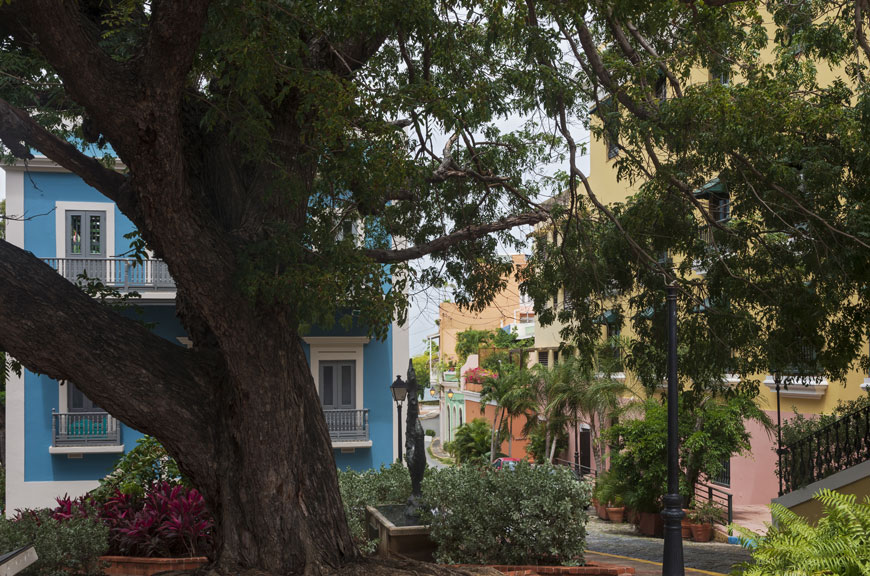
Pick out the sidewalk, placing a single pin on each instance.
(621, 541)
(437, 449)
(642, 567)
(752, 517)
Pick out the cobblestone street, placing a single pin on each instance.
(623, 540)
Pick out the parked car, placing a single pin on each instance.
(505, 463)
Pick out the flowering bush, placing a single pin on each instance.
(479, 375)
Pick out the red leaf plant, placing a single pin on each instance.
(170, 521)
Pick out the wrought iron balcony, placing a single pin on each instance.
(84, 429)
(348, 425)
(121, 273)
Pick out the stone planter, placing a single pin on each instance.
(702, 532)
(616, 515)
(137, 566)
(410, 541)
(651, 524)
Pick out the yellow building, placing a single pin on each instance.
(750, 479)
(509, 310)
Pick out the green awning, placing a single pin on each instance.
(712, 188)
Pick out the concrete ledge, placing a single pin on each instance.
(352, 444)
(803, 387)
(832, 482)
(117, 449)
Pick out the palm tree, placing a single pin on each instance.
(583, 396)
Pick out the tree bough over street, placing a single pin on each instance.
(289, 160)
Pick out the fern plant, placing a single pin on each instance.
(838, 545)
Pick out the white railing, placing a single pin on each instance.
(120, 273)
(347, 425)
(84, 429)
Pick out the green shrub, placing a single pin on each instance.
(144, 466)
(471, 442)
(371, 488)
(68, 547)
(838, 545)
(528, 515)
(430, 433)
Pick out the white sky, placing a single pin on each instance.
(424, 305)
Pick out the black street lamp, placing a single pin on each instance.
(672, 563)
(400, 392)
(776, 380)
(577, 471)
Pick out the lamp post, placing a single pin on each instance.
(577, 471)
(672, 563)
(776, 380)
(400, 391)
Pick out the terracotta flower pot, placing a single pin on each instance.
(702, 532)
(602, 511)
(616, 514)
(686, 525)
(651, 524)
(630, 515)
(134, 565)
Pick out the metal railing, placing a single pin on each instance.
(84, 429)
(347, 425)
(579, 470)
(836, 447)
(724, 477)
(120, 273)
(716, 496)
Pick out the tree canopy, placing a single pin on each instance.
(287, 161)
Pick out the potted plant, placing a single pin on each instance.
(601, 495)
(702, 519)
(616, 509)
(686, 523)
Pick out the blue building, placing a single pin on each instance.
(58, 441)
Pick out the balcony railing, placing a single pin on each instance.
(84, 429)
(840, 445)
(347, 425)
(121, 273)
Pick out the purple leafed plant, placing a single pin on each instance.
(170, 521)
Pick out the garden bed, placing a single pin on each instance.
(136, 566)
(591, 569)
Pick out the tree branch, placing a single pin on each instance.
(16, 126)
(53, 328)
(462, 235)
(71, 43)
(173, 37)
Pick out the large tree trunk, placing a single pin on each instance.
(251, 436)
(277, 489)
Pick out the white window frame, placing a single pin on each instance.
(60, 210)
(337, 349)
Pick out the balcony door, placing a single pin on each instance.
(337, 384)
(76, 401)
(85, 245)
